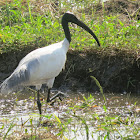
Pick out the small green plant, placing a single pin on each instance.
(12, 124)
(130, 82)
(100, 87)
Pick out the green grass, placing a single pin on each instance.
(21, 25)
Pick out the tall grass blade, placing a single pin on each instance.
(9, 129)
(31, 19)
(58, 120)
(100, 87)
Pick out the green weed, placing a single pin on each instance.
(100, 87)
(9, 129)
(22, 26)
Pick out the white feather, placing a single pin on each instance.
(41, 65)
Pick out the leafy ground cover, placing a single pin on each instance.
(31, 23)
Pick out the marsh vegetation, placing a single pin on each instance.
(88, 112)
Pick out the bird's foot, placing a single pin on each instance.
(59, 94)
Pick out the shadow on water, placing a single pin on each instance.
(21, 109)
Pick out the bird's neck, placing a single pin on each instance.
(65, 44)
(66, 30)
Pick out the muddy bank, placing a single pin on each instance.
(117, 71)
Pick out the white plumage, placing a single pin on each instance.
(51, 60)
(41, 65)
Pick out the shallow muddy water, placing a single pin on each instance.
(21, 110)
(23, 102)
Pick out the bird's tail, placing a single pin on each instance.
(15, 81)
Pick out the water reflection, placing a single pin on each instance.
(22, 108)
(24, 102)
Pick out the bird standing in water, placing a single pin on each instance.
(42, 65)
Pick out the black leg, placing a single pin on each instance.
(38, 102)
(48, 97)
(55, 96)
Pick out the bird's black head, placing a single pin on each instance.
(70, 17)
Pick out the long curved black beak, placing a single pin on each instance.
(84, 26)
